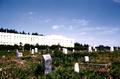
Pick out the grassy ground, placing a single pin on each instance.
(101, 65)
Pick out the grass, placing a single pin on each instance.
(30, 66)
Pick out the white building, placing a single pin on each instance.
(12, 39)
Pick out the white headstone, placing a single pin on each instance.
(65, 51)
(89, 49)
(73, 50)
(47, 63)
(95, 50)
(59, 48)
(76, 67)
(86, 58)
(94, 47)
(8, 50)
(3, 56)
(111, 49)
(32, 52)
(36, 50)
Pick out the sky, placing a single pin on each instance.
(93, 22)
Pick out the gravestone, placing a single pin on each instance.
(8, 50)
(32, 52)
(36, 50)
(59, 48)
(87, 59)
(19, 54)
(76, 67)
(3, 56)
(47, 63)
(89, 49)
(111, 49)
(95, 49)
(65, 51)
(73, 50)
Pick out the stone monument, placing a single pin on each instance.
(87, 59)
(47, 63)
(76, 67)
(65, 51)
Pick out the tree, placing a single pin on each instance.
(55, 47)
(79, 46)
(27, 46)
(35, 33)
(23, 32)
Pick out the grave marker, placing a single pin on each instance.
(47, 63)
(86, 58)
(19, 54)
(65, 51)
(32, 52)
(111, 49)
(76, 67)
(95, 49)
(8, 50)
(73, 50)
(89, 49)
(36, 50)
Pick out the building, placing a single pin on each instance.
(12, 39)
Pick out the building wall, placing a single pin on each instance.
(11, 39)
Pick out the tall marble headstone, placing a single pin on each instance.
(76, 67)
(65, 51)
(47, 63)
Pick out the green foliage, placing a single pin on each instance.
(63, 67)
(39, 70)
(79, 47)
(115, 70)
(19, 73)
(27, 46)
(55, 47)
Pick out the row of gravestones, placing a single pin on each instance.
(20, 54)
(33, 51)
(90, 49)
(48, 61)
(65, 51)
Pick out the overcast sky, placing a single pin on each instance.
(87, 21)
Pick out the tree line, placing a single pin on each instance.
(16, 32)
(77, 47)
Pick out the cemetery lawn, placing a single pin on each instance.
(101, 65)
